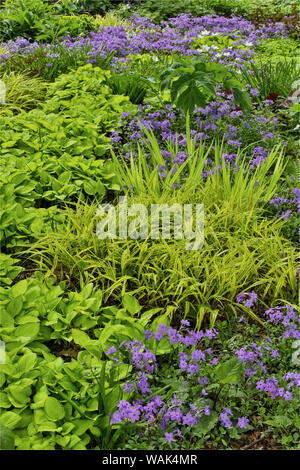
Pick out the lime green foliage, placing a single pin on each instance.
(39, 391)
(217, 41)
(22, 92)
(7, 439)
(8, 272)
(39, 400)
(54, 153)
(278, 47)
(241, 250)
(144, 175)
(150, 66)
(48, 402)
(109, 19)
(46, 312)
(20, 220)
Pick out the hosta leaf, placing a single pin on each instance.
(54, 409)
(10, 419)
(7, 439)
(81, 338)
(131, 304)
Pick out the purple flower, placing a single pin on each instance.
(148, 334)
(225, 420)
(242, 422)
(169, 437)
(111, 350)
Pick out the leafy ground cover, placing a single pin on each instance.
(139, 343)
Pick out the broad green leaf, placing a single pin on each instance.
(190, 98)
(206, 423)
(10, 419)
(230, 372)
(15, 306)
(19, 288)
(131, 304)
(54, 409)
(25, 332)
(81, 338)
(7, 438)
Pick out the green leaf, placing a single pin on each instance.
(112, 399)
(27, 362)
(230, 372)
(178, 86)
(7, 438)
(242, 98)
(27, 331)
(18, 394)
(81, 338)
(54, 409)
(15, 306)
(206, 423)
(10, 418)
(90, 187)
(19, 288)
(280, 421)
(190, 98)
(131, 304)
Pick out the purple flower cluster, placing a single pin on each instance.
(251, 298)
(173, 414)
(219, 118)
(288, 318)
(176, 36)
(271, 386)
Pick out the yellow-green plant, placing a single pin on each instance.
(21, 92)
(109, 19)
(242, 250)
(144, 174)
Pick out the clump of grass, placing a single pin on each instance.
(270, 78)
(241, 251)
(22, 92)
(110, 19)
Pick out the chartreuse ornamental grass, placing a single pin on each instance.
(21, 92)
(241, 251)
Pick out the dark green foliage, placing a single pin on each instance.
(194, 83)
(132, 85)
(272, 79)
